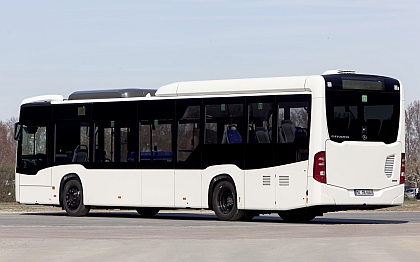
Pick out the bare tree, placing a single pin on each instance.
(7, 160)
(412, 143)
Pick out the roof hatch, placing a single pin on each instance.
(339, 71)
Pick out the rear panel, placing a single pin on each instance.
(357, 165)
(364, 148)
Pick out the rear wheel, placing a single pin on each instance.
(297, 216)
(147, 211)
(248, 215)
(224, 201)
(73, 199)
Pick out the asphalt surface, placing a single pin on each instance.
(199, 236)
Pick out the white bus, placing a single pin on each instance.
(297, 146)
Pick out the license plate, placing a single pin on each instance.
(363, 192)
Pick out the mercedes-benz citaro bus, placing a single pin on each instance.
(298, 146)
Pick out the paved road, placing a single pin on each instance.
(199, 236)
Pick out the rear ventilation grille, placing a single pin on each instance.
(283, 180)
(389, 165)
(266, 180)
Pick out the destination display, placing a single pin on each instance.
(362, 85)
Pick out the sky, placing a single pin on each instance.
(59, 47)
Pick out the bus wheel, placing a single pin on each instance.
(248, 215)
(294, 216)
(147, 211)
(73, 199)
(224, 202)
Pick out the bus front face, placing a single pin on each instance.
(32, 138)
(364, 154)
(33, 180)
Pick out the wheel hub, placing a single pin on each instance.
(73, 198)
(226, 201)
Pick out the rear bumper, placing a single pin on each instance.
(387, 196)
(327, 198)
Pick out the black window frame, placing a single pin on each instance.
(34, 114)
(336, 95)
(244, 155)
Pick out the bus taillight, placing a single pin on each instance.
(402, 173)
(319, 167)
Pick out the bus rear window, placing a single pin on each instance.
(362, 115)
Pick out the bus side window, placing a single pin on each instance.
(224, 124)
(259, 123)
(188, 132)
(71, 142)
(156, 140)
(280, 119)
(114, 141)
(211, 132)
(292, 129)
(288, 129)
(292, 123)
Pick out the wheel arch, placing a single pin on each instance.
(63, 182)
(214, 181)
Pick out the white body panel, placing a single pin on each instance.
(158, 188)
(17, 186)
(277, 188)
(385, 196)
(360, 165)
(36, 195)
(322, 194)
(188, 189)
(42, 178)
(234, 86)
(46, 98)
(35, 189)
(291, 185)
(260, 189)
(112, 188)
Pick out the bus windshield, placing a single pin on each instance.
(362, 115)
(32, 148)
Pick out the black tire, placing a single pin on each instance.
(294, 216)
(73, 199)
(224, 201)
(248, 216)
(147, 211)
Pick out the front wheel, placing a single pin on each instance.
(73, 199)
(224, 201)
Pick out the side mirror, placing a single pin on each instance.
(18, 131)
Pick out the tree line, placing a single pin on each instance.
(412, 152)
(412, 144)
(7, 160)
